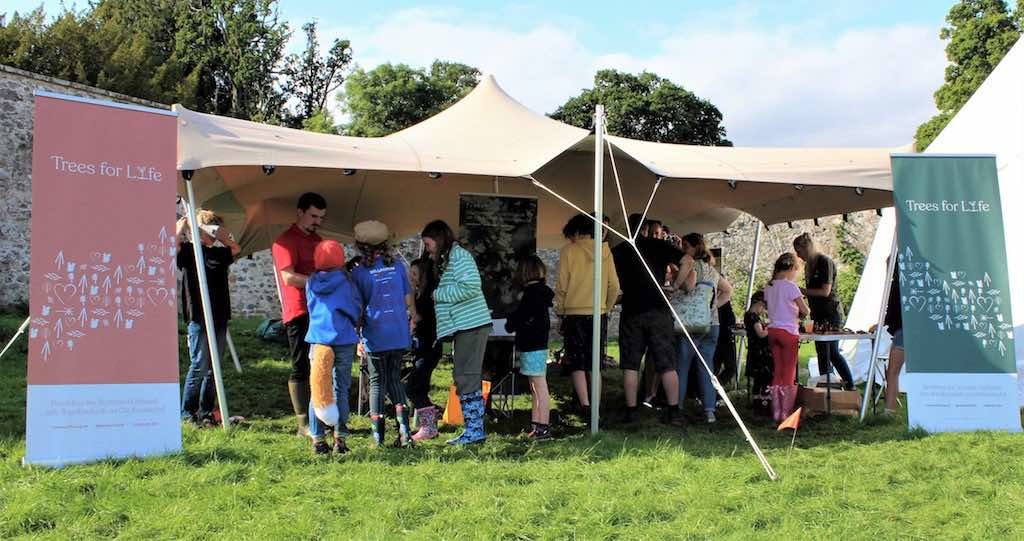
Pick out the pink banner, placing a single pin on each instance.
(102, 295)
(103, 285)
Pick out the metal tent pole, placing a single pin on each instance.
(595, 356)
(204, 293)
(876, 342)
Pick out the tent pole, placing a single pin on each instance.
(234, 352)
(753, 262)
(876, 341)
(204, 293)
(595, 355)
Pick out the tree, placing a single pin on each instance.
(392, 97)
(646, 107)
(230, 52)
(310, 79)
(980, 33)
(320, 121)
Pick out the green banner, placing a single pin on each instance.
(954, 284)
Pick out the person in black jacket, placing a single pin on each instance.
(531, 323)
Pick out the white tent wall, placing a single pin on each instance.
(991, 122)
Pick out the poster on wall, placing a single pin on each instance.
(103, 346)
(498, 230)
(955, 294)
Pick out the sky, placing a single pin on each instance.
(783, 72)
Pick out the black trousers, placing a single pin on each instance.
(417, 385)
(298, 348)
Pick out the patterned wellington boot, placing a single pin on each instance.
(377, 429)
(473, 414)
(404, 433)
(428, 424)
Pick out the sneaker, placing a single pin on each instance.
(541, 433)
(710, 418)
(321, 448)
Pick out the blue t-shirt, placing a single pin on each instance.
(387, 320)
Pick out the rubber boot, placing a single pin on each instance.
(788, 401)
(775, 394)
(298, 391)
(473, 414)
(377, 429)
(404, 433)
(428, 424)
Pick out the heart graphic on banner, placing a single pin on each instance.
(917, 303)
(63, 292)
(157, 295)
(986, 304)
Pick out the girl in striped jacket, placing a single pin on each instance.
(464, 318)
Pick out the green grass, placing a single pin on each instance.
(843, 480)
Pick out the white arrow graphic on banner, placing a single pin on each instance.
(106, 285)
(59, 327)
(141, 265)
(46, 351)
(118, 319)
(118, 274)
(163, 234)
(60, 259)
(988, 280)
(83, 317)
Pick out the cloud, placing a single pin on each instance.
(797, 85)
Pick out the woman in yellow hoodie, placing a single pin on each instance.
(574, 299)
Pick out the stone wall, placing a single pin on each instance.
(17, 111)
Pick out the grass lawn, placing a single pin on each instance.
(843, 480)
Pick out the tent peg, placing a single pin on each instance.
(878, 212)
(268, 170)
(790, 224)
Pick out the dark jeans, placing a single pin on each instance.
(828, 354)
(417, 386)
(199, 396)
(386, 377)
(298, 348)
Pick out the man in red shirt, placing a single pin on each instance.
(293, 263)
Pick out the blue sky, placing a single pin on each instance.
(783, 72)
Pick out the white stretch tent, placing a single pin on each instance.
(487, 142)
(991, 122)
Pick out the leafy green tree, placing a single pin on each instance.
(980, 33)
(392, 97)
(310, 79)
(321, 121)
(646, 107)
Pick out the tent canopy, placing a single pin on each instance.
(490, 143)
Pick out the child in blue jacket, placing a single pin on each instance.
(336, 301)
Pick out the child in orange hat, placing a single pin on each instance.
(336, 302)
